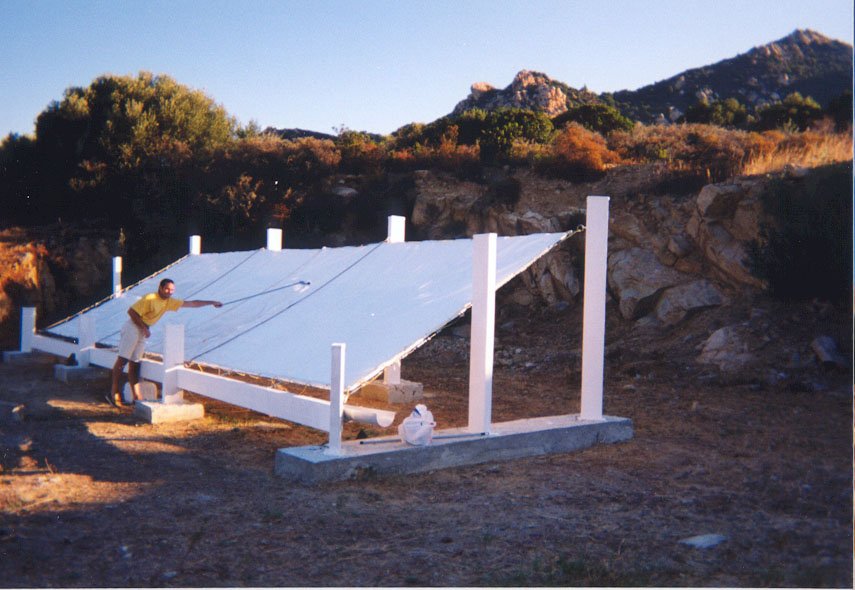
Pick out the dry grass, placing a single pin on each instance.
(804, 150)
(721, 153)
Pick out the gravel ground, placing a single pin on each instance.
(89, 496)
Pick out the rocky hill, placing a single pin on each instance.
(804, 61)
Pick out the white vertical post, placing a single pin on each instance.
(336, 397)
(195, 245)
(117, 275)
(392, 373)
(396, 229)
(274, 239)
(85, 339)
(173, 356)
(28, 328)
(594, 307)
(482, 333)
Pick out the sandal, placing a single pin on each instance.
(114, 399)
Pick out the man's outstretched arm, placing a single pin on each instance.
(201, 303)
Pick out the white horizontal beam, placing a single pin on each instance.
(52, 345)
(300, 409)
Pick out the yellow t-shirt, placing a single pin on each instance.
(152, 307)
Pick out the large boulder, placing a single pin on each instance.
(637, 279)
(726, 219)
(729, 349)
(677, 302)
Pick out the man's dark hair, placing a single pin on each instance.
(165, 282)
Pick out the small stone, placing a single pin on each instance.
(703, 541)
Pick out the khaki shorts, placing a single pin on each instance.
(132, 342)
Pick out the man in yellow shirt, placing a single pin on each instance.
(143, 314)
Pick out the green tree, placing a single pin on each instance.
(806, 251)
(503, 126)
(794, 112)
(600, 118)
(723, 113)
(122, 145)
(18, 178)
(840, 110)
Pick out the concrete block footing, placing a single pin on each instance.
(404, 392)
(159, 412)
(68, 374)
(19, 357)
(147, 391)
(454, 447)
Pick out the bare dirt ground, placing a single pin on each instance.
(89, 496)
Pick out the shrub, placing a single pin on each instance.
(707, 151)
(806, 250)
(724, 113)
(795, 112)
(360, 154)
(503, 126)
(600, 118)
(580, 154)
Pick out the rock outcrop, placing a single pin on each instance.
(727, 217)
(48, 278)
(669, 256)
(528, 90)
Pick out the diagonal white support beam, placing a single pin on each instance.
(594, 307)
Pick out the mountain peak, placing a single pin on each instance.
(528, 90)
(804, 61)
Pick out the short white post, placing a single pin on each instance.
(274, 239)
(594, 307)
(117, 275)
(392, 373)
(85, 339)
(336, 397)
(396, 229)
(482, 333)
(28, 328)
(173, 357)
(195, 245)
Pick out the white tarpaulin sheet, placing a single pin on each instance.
(283, 309)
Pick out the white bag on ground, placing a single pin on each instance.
(417, 428)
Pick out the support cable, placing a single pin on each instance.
(267, 291)
(280, 312)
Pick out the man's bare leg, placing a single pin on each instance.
(134, 379)
(118, 369)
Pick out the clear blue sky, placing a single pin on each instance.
(375, 65)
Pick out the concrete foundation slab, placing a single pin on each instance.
(68, 374)
(450, 448)
(159, 413)
(404, 392)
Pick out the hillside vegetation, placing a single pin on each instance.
(142, 162)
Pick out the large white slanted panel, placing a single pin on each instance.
(284, 308)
